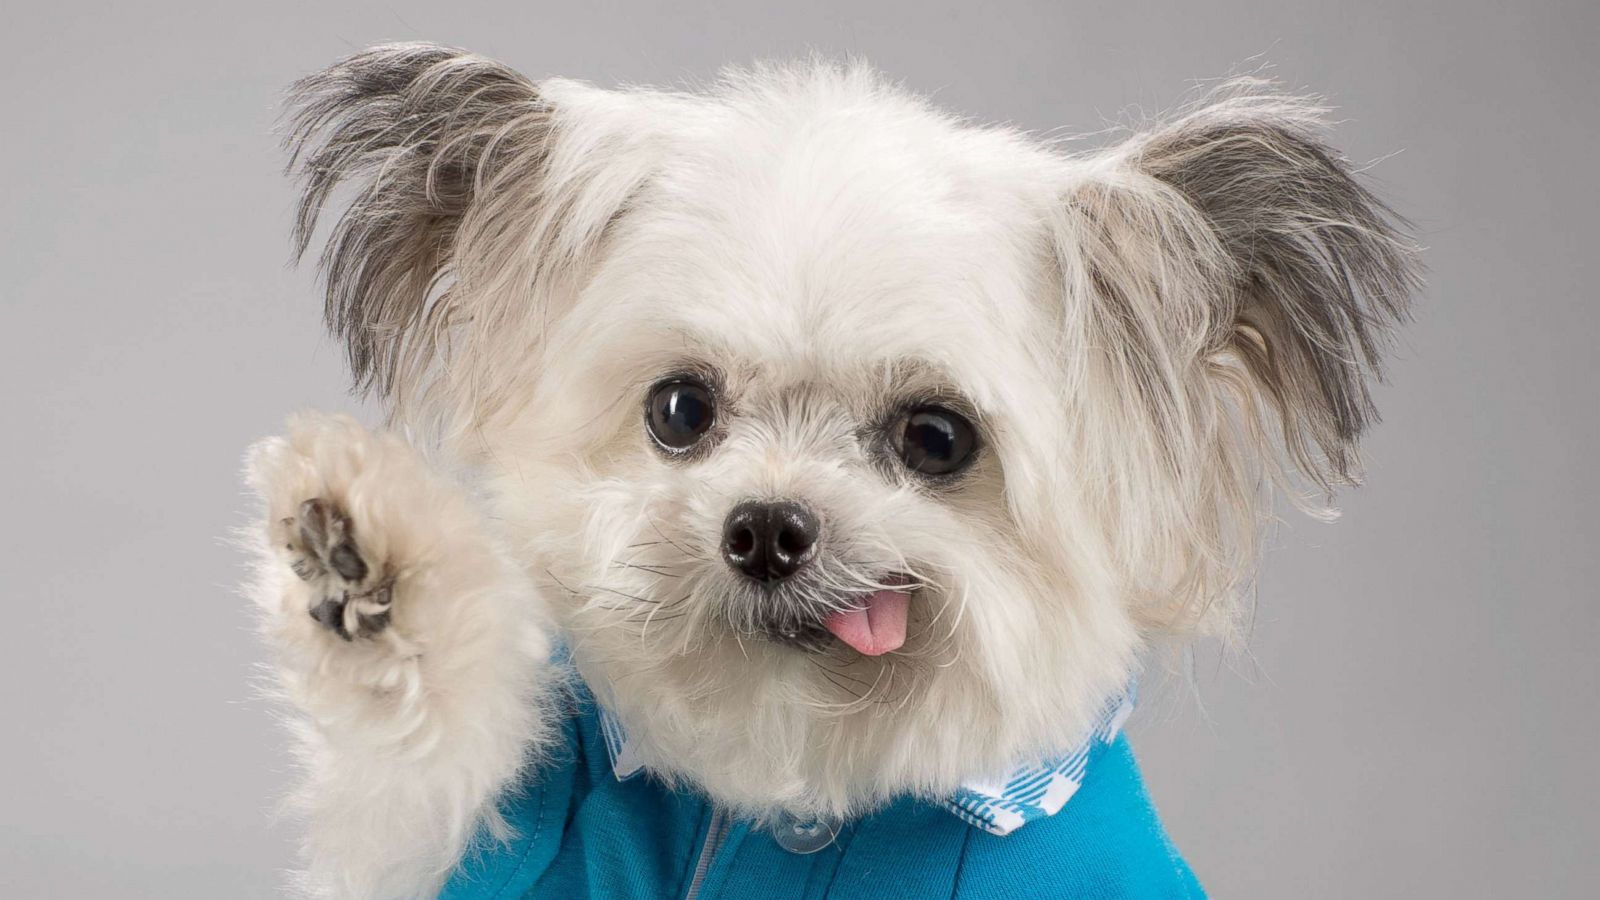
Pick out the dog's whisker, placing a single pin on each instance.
(679, 547)
(559, 582)
(653, 570)
(634, 597)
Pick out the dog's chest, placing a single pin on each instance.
(581, 832)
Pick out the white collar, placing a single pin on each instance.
(998, 806)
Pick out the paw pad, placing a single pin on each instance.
(324, 553)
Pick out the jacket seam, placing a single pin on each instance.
(522, 862)
(961, 863)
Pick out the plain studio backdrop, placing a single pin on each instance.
(1420, 712)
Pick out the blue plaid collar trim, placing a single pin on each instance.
(998, 806)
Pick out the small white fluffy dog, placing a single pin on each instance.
(848, 449)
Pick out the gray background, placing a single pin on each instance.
(1419, 717)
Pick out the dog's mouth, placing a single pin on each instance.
(871, 623)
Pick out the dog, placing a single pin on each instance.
(784, 482)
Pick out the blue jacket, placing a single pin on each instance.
(588, 827)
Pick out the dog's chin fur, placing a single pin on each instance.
(1148, 338)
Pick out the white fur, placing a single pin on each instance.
(831, 247)
(406, 738)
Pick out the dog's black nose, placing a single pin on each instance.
(770, 541)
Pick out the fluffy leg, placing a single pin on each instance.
(414, 649)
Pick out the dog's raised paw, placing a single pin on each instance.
(351, 596)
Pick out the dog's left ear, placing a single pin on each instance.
(1233, 249)
(1229, 289)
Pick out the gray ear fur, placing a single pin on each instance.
(419, 131)
(1319, 269)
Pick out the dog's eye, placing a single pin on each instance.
(679, 413)
(936, 441)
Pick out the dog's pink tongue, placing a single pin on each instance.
(878, 627)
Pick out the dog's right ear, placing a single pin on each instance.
(472, 194)
(421, 132)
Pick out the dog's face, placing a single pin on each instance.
(861, 451)
(799, 414)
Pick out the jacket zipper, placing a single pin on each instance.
(716, 833)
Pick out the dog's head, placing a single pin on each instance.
(860, 449)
